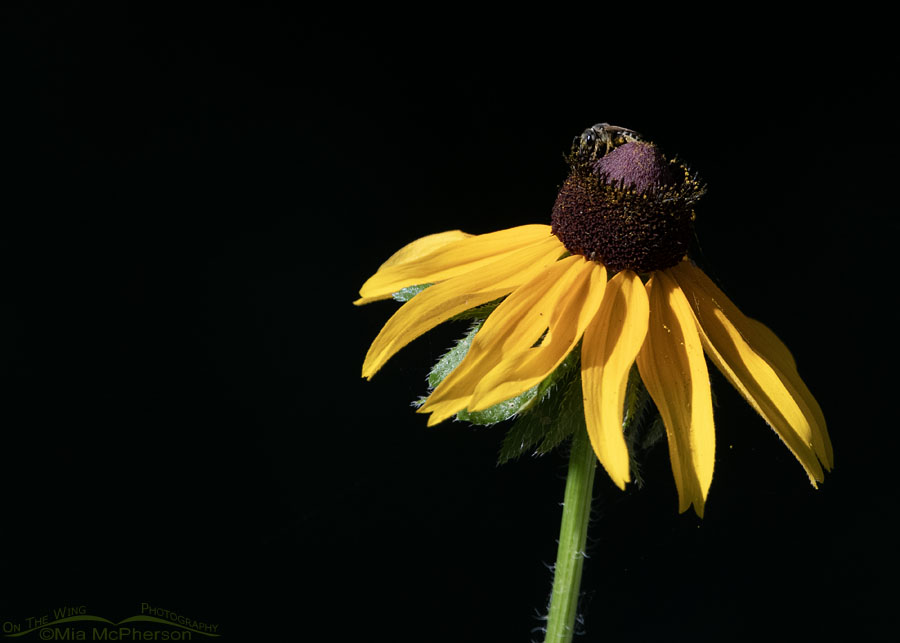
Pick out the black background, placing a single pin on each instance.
(192, 199)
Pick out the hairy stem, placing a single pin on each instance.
(572, 538)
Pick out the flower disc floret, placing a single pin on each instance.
(631, 209)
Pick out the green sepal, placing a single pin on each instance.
(479, 312)
(452, 357)
(405, 294)
(638, 405)
(547, 424)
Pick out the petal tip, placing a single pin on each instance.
(434, 420)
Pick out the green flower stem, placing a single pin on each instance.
(572, 538)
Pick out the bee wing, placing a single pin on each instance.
(623, 130)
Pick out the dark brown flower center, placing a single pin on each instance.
(628, 209)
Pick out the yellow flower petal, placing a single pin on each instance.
(569, 317)
(611, 344)
(673, 369)
(413, 251)
(512, 328)
(776, 353)
(438, 303)
(439, 259)
(423, 246)
(760, 367)
(775, 349)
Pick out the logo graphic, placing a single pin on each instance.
(77, 623)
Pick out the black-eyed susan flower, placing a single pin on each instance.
(610, 277)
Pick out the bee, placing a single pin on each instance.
(598, 140)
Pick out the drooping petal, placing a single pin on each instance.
(776, 353)
(673, 368)
(512, 328)
(760, 367)
(611, 344)
(438, 303)
(776, 350)
(433, 260)
(568, 319)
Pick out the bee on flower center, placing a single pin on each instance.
(598, 140)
